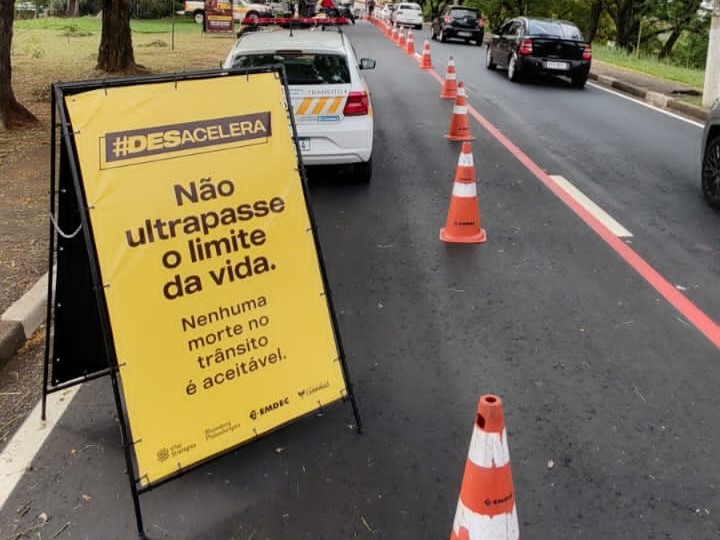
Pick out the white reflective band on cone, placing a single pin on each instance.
(450, 76)
(461, 91)
(464, 190)
(489, 449)
(479, 527)
(466, 160)
(461, 109)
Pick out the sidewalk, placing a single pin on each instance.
(22, 319)
(658, 92)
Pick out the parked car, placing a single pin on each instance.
(408, 14)
(527, 46)
(710, 169)
(459, 22)
(329, 95)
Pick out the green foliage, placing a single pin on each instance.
(650, 65)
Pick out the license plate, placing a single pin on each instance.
(304, 145)
(464, 34)
(557, 65)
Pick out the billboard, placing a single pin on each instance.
(210, 273)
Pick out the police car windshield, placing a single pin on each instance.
(302, 68)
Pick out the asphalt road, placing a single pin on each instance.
(598, 373)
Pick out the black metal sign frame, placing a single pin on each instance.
(76, 304)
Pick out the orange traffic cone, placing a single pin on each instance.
(394, 34)
(401, 38)
(410, 45)
(459, 126)
(463, 220)
(449, 87)
(426, 61)
(486, 506)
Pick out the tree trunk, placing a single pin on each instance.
(670, 43)
(73, 8)
(595, 12)
(116, 50)
(12, 114)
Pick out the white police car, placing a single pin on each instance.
(329, 95)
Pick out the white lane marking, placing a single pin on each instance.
(648, 105)
(18, 455)
(601, 215)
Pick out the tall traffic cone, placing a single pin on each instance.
(394, 33)
(410, 44)
(401, 38)
(449, 87)
(426, 61)
(459, 126)
(463, 220)
(486, 506)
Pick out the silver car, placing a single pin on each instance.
(710, 179)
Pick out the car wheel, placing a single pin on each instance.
(199, 17)
(578, 81)
(711, 172)
(489, 59)
(433, 35)
(443, 37)
(252, 17)
(513, 69)
(362, 172)
(418, 27)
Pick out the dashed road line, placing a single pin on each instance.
(601, 215)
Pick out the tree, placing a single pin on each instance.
(12, 113)
(116, 54)
(73, 8)
(680, 15)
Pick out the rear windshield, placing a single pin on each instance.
(302, 68)
(555, 29)
(411, 7)
(460, 13)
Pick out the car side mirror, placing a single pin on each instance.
(367, 63)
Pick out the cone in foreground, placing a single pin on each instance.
(486, 508)
(462, 225)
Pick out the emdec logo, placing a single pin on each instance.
(269, 408)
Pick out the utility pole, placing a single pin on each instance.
(711, 91)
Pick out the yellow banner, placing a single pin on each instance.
(210, 271)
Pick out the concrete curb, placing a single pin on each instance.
(653, 98)
(22, 319)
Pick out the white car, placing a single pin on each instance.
(408, 14)
(330, 97)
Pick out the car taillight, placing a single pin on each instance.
(525, 47)
(357, 104)
(587, 53)
(481, 23)
(447, 19)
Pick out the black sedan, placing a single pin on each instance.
(528, 46)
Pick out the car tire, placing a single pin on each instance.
(433, 35)
(443, 37)
(251, 17)
(489, 59)
(362, 172)
(199, 17)
(418, 27)
(513, 69)
(578, 81)
(710, 171)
